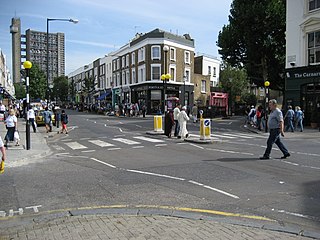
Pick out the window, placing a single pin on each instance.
(173, 73)
(172, 54)
(123, 62)
(133, 58)
(203, 86)
(141, 54)
(209, 70)
(127, 60)
(155, 71)
(155, 52)
(118, 63)
(214, 71)
(128, 77)
(124, 81)
(141, 74)
(187, 75)
(187, 57)
(314, 4)
(314, 48)
(133, 76)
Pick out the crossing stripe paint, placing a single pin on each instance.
(75, 145)
(126, 141)
(237, 135)
(149, 139)
(101, 143)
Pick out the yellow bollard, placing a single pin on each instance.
(205, 129)
(157, 123)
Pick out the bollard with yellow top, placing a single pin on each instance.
(157, 123)
(205, 127)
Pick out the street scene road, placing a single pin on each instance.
(111, 161)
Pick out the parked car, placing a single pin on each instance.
(39, 117)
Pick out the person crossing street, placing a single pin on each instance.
(276, 128)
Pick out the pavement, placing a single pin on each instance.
(128, 222)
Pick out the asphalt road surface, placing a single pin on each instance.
(112, 161)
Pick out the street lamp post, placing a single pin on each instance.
(48, 20)
(266, 85)
(27, 65)
(165, 76)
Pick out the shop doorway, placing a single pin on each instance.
(310, 97)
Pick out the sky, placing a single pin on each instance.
(106, 25)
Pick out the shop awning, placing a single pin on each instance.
(104, 95)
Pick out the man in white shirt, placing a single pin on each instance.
(176, 112)
(31, 117)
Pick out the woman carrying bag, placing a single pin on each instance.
(12, 126)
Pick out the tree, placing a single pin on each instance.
(37, 83)
(60, 88)
(20, 90)
(255, 40)
(234, 81)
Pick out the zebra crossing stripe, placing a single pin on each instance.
(222, 136)
(101, 143)
(126, 141)
(149, 139)
(75, 145)
(237, 135)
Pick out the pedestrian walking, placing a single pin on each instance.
(64, 122)
(32, 116)
(276, 128)
(12, 126)
(176, 112)
(259, 117)
(298, 117)
(47, 119)
(290, 118)
(169, 122)
(182, 119)
(3, 158)
(194, 112)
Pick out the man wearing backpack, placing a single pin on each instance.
(64, 122)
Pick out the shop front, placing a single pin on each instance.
(302, 88)
(152, 95)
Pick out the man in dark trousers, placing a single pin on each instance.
(276, 128)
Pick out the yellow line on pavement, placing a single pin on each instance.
(185, 209)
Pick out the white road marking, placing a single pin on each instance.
(138, 147)
(160, 145)
(75, 145)
(196, 146)
(167, 176)
(237, 135)
(228, 151)
(112, 149)
(155, 174)
(149, 139)
(120, 130)
(214, 189)
(222, 136)
(101, 143)
(296, 214)
(126, 141)
(104, 163)
(87, 151)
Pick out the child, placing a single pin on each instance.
(64, 122)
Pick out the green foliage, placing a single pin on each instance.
(60, 89)
(249, 99)
(255, 40)
(234, 81)
(20, 91)
(37, 83)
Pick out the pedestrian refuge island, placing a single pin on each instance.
(157, 126)
(205, 129)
